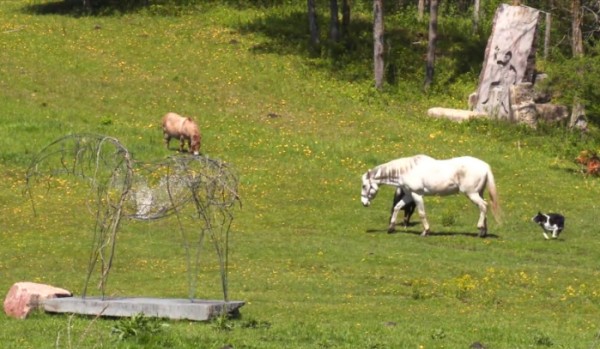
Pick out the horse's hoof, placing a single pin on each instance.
(482, 232)
(425, 233)
(391, 229)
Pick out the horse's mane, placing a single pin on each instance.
(394, 169)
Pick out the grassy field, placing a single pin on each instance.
(316, 269)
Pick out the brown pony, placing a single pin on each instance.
(182, 128)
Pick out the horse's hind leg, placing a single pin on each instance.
(421, 210)
(482, 205)
(181, 143)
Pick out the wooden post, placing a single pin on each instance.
(547, 35)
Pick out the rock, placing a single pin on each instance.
(581, 124)
(578, 118)
(509, 59)
(524, 110)
(522, 106)
(472, 100)
(24, 297)
(526, 113)
(552, 113)
(541, 92)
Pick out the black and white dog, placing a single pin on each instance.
(408, 209)
(551, 222)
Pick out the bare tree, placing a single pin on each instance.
(433, 19)
(378, 47)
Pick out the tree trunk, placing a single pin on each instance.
(313, 25)
(345, 17)
(578, 111)
(429, 68)
(476, 16)
(334, 22)
(420, 10)
(577, 39)
(378, 48)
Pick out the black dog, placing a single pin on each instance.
(408, 209)
(551, 222)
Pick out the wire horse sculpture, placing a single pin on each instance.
(121, 188)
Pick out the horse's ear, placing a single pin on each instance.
(369, 174)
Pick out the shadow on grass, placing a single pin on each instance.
(286, 33)
(431, 234)
(76, 8)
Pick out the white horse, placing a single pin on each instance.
(422, 175)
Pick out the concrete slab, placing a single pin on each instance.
(177, 309)
(454, 114)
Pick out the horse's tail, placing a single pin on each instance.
(491, 185)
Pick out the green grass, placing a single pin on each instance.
(316, 269)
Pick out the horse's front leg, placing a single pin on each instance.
(167, 139)
(399, 205)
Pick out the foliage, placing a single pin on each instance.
(138, 328)
(577, 78)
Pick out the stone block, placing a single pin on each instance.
(175, 309)
(25, 297)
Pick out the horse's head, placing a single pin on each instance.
(369, 189)
(195, 143)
